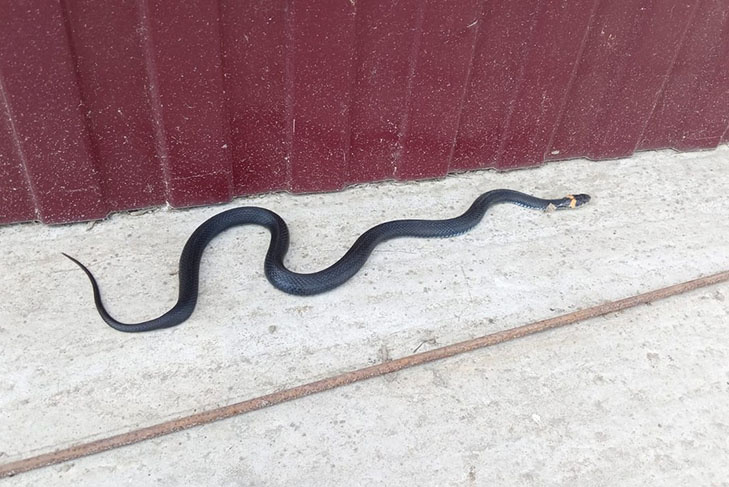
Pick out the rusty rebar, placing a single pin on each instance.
(205, 417)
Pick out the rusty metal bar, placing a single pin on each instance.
(205, 417)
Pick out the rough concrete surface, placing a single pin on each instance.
(639, 397)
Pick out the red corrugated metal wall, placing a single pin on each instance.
(124, 104)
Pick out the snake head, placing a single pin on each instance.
(573, 201)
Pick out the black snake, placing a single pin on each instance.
(324, 280)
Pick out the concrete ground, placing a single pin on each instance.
(636, 398)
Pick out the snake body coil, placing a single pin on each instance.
(324, 280)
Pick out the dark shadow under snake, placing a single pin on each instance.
(326, 279)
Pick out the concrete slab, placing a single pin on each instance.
(626, 399)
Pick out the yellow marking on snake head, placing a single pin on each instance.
(573, 200)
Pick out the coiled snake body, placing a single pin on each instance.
(324, 280)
